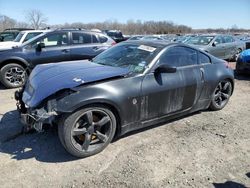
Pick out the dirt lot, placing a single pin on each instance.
(206, 149)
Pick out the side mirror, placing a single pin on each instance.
(163, 68)
(213, 44)
(40, 46)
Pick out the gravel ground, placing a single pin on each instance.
(205, 149)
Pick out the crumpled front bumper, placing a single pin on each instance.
(37, 117)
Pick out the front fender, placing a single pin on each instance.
(14, 58)
(122, 94)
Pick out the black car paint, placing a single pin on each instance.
(29, 56)
(149, 98)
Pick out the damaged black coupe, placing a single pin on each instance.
(132, 85)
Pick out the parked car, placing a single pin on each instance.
(136, 37)
(243, 62)
(11, 34)
(151, 37)
(131, 85)
(184, 38)
(54, 46)
(146, 37)
(245, 39)
(221, 46)
(116, 35)
(22, 37)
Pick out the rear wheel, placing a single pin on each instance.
(87, 131)
(13, 75)
(221, 95)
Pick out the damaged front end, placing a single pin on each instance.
(35, 118)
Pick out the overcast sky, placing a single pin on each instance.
(194, 13)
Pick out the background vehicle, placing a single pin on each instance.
(11, 34)
(245, 39)
(243, 62)
(136, 84)
(116, 35)
(54, 46)
(22, 37)
(136, 37)
(221, 46)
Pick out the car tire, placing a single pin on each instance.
(13, 75)
(221, 95)
(88, 131)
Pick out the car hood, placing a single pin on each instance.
(8, 44)
(47, 79)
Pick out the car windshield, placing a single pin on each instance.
(8, 36)
(19, 37)
(30, 41)
(135, 57)
(200, 40)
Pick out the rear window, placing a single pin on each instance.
(228, 39)
(84, 38)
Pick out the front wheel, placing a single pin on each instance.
(13, 75)
(221, 95)
(88, 131)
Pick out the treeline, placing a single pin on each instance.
(131, 27)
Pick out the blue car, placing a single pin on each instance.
(243, 62)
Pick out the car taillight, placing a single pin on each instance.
(113, 43)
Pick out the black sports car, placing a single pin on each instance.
(132, 85)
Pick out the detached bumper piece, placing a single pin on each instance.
(35, 118)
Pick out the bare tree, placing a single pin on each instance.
(36, 18)
(6, 22)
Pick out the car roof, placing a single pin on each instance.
(35, 31)
(77, 30)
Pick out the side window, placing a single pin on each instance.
(31, 35)
(229, 39)
(219, 40)
(56, 39)
(94, 39)
(81, 38)
(204, 59)
(179, 56)
(103, 39)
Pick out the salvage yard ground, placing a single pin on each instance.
(206, 149)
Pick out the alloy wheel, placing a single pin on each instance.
(222, 93)
(91, 130)
(15, 76)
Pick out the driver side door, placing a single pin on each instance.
(169, 93)
(56, 49)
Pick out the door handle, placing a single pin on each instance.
(65, 50)
(202, 71)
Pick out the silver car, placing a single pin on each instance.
(221, 46)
